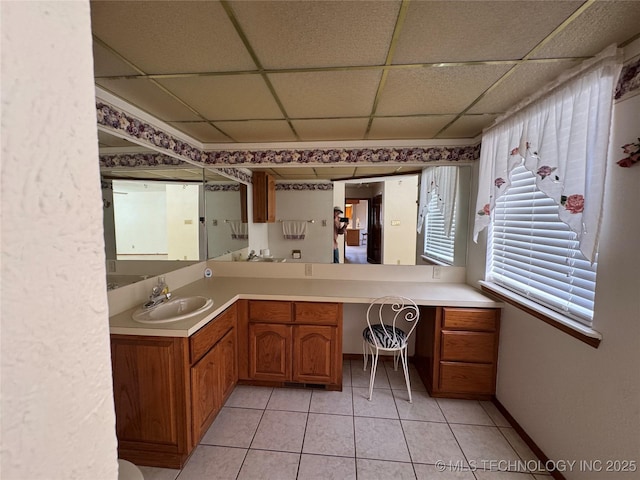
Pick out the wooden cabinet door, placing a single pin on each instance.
(264, 197)
(228, 364)
(270, 352)
(206, 398)
(314, 354)
(148, 384)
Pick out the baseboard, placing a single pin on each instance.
(527, 439)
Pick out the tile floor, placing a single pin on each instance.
(287, 433)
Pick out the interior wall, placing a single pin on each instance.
(222, 206)
(58, 417)
(399, 214)
(316, 205)
(577, 402)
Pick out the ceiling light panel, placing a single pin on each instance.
(227, 97)
(171, 37)
(460, 31)
(443, 90)
(317, 33)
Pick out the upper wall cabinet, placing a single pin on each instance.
(264, 198)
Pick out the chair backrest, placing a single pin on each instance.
(388, 311)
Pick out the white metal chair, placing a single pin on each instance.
(383, 334)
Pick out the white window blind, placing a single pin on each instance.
(536, 255)
(437, 244)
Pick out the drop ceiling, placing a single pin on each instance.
(227, 73)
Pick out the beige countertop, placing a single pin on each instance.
(226, 290)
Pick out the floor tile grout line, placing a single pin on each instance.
(253, 437)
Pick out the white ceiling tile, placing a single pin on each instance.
(331, 129)
(150, 98)
(327, 94)
(106, 63)
(390, 128)
(468, 126)
(202, 131)
(525, 80)
(443, 90)
(227, 97)
(446, 31)
(602, 24)
(318, 33)
(171, 37)
(258, 131)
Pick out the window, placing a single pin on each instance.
(536, 255)
(439, 246)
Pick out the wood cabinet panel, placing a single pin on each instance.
(270, 352)
(203, 339)
(460, 352)
(228, 364)
(317, 313)
(353, 237)
(264, 197)
(270, 311)
(476, 347)
(206, 397)
(314, 354)
(147, 380)
(476, 378)
(469, 319)
(164, 401)
(292, 341)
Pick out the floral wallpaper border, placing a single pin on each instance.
(221, 187)
(146, 160)
(120, 121)
(301, 186)
(629, 79)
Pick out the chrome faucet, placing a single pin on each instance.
(252, 255)
(159, 294)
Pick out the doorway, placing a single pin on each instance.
(374, 241)
(356, 235)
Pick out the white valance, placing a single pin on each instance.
(562, 136)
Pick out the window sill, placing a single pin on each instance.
(571, 327)
(433, 261)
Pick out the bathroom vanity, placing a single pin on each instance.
(171, 380)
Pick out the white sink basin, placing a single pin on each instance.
(173, 310)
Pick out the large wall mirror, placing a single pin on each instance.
(200, 214)
(161, 218)
(381, 205)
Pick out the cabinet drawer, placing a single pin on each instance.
(483, 319)
(317, 313)
(270, 311)
(208, 336)
(468, 346)
(467, 378)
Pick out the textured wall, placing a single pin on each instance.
(57, 404)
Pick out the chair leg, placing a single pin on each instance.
(365, 346)
(374, 367)
(403, 357)
(396, 355)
